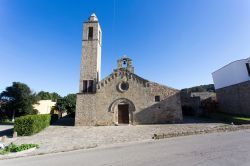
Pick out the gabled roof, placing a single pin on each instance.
(132, 75)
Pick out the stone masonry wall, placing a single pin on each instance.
(235, 99)
(91, 54)
(94, 109)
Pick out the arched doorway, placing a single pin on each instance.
(123, 113)
(122, 110)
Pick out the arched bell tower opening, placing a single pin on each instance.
(123, 111)
(125, 63)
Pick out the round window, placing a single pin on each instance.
(123, 86)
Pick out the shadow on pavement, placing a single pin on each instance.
(65, 121)
(194, 119)
(6, 123)
(7, 132)
(69, 121)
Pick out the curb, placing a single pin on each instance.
(204, 131)
(218, 129)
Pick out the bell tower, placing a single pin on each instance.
(91, 55)
(125, 63)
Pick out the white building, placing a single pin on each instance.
(232, 84)
(234, 73)
(44, 106)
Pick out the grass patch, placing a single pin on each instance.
(242, 118)
(17, 148)
(236, 119)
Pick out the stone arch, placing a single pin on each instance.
(114, 109)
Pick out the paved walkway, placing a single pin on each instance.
(66, 138)
(216, 149)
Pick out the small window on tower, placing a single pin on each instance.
(90, 85)
(248, 68)
(85, 85)
(90, 35)
(157, 98)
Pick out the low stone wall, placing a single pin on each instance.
(235, 99)
(225, 128)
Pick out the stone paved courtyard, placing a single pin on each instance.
(65, 138)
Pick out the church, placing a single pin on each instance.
(122, 97)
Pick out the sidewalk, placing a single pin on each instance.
(67, 138)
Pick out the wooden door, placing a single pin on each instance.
(123, 114)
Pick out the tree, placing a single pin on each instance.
(201, 88)
(55, 96)
(19, 100)
(71, 103)
(66, 104)
(3, 115)
(42, 95)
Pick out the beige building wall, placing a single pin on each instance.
(44, 106)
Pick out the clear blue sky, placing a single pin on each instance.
(178, 43)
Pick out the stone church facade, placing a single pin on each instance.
(122, 97)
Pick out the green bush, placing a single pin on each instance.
(3, 152)
(24, 147)
(31, 124)
(16, 148)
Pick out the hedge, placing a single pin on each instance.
(31, 124)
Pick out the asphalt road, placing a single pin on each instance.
(220, 149)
